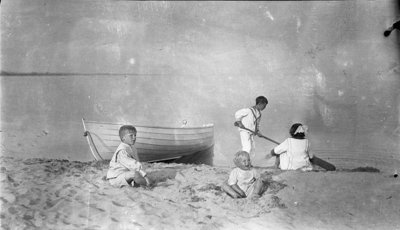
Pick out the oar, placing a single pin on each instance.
(274, 141)
(315, 160)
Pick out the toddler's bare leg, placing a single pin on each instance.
(229, 190)
(258, 187)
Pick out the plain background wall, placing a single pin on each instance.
(326, 64)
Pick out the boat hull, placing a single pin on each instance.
(152, 143)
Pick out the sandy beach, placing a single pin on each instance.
(73, 72)
(61, 194)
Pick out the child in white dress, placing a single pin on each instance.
(125, 169)
(243, 181)
(293, 153)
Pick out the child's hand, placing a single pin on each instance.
(273, 154)
(239, 124)
(268, 156)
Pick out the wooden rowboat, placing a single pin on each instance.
(152, 143)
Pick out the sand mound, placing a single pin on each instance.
(61, 194)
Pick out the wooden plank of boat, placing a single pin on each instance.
(150, 129)
(152, 143)
(156, 141)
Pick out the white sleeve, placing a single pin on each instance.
(126, 160)
(233, 177)
(241, 113)
(282, 147)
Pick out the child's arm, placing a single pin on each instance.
(281, 148)
(126, 160)
(274, 154)
(239, 115)
(271, 154)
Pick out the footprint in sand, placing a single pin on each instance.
(277, 202)
(96, 208)
(65, 192)
(66, 222)
(8, 196)
(83, 215)
(52, 203)
(144, 207)
(12, 210)
(117, 204)
(29, 215)
(34, 201)
(66, 186)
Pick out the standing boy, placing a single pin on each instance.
(248, 121)
(124, 169)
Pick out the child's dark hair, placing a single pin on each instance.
(238, 156)
(298, 135)
(261, 99)
(124, 129)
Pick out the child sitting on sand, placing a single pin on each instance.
(124, 168)
(244, 180)
(294, 153)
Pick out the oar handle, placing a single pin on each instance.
(267, 138)
(274, 141)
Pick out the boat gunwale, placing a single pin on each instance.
(165, 134)
(156, 127)
(197, 142)
(161, 140)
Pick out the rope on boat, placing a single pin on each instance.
(89, 139)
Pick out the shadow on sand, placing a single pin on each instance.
(202, 157)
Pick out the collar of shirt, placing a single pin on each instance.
(125, 145)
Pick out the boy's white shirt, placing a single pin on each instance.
(125, 161)
(294, 154)
(247, 118)
(243, 178)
